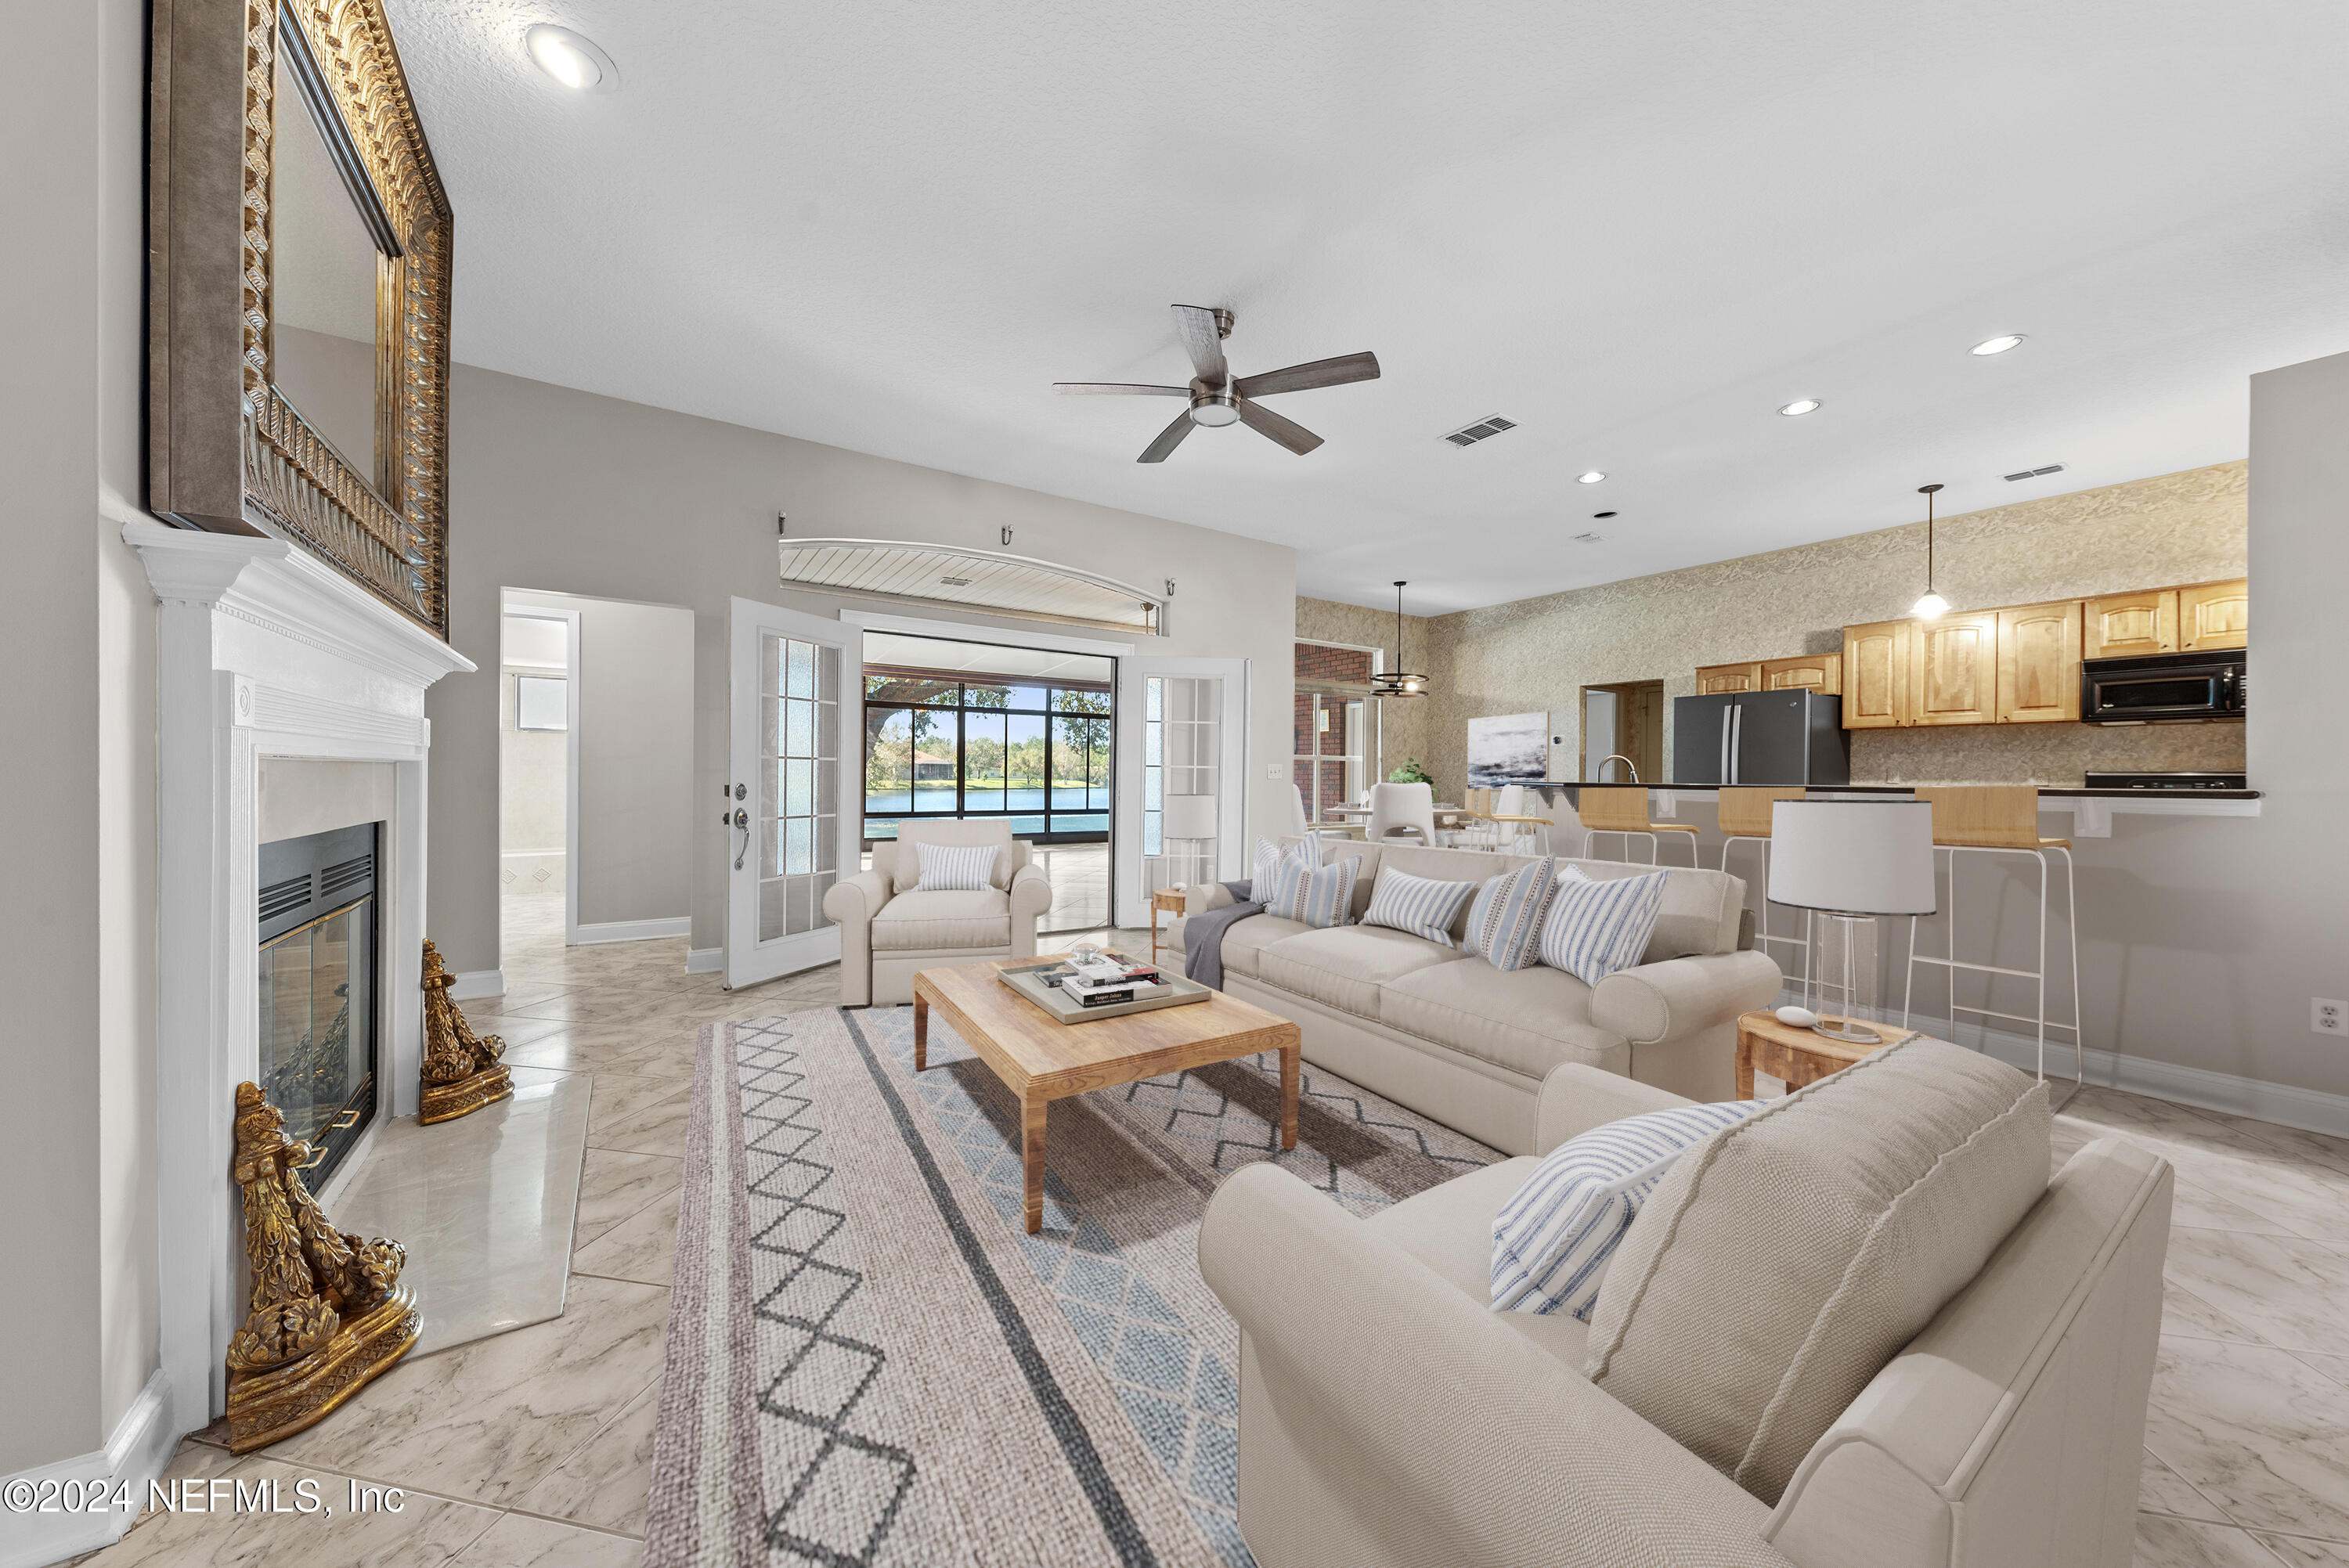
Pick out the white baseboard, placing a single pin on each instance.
(2311, 1110)
(634, 930)
(474, 984)
(136, 1453)
(705, 961)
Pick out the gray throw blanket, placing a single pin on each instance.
(1203, 935)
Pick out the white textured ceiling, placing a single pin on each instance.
(1636, 229)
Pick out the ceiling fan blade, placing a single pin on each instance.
(1320, 372)
(1265, 422)
(1195, 326)
(1117, 389)
(1168, 439)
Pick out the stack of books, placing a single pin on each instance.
(1110, 978)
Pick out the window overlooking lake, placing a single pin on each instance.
(952, 744)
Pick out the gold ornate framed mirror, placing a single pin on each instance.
(298, 294)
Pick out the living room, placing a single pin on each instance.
(667, 910)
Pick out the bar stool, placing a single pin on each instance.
(2002, 819)
(1623, 808)
(1510, 824)
(1746, 820)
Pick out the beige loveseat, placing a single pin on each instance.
(888, 931)
(1390, 1417)
(1456, 1039)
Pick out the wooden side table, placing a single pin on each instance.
(1798, 1056)
(1168, 900)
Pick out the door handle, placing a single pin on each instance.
(1737, 744)
(1722, 777)
(741, 825)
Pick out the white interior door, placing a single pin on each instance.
(793, 822)
(1181, 731)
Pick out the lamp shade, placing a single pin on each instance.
(1188, 817)
(1853, 857)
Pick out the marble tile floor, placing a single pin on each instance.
(534, 1446)
(484, 1206)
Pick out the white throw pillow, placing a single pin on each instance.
(1595, 929)
(1553, 1241)
(951, 867)
(1424, 906)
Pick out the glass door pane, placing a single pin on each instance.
(798, 838)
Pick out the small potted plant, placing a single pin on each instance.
(1411, 772)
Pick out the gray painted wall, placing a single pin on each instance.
(635, 757)
(77, 923)
(556, 490)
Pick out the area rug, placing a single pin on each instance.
(870, 1362)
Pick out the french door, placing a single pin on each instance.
(793, 804)
(1181, 776)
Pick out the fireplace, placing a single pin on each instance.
(317, 1011)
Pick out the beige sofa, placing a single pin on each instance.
(1453, 1038)
(888, 931)
(1388, 1417)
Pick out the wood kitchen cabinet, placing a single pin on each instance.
(1876, 674)
(1820, 673)
(1953, 669)
(1711, 680)
(2214, 615)
(2122, 625)
(2039, 663)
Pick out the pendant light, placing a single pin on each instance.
(1395, 683)
(1932, 603)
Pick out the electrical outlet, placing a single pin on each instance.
(2328, 1016)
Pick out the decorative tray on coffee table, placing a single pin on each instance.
(1024, 978)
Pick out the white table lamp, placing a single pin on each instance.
(1189, 818)
(1852, 860)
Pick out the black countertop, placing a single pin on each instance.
(1912, 789)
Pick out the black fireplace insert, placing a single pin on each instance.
(318, 949)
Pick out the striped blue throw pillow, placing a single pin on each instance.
(1268, 856)
(1553, 1241)
(1596, 928)
(1420, 905)
(1319, 896)
(1504, 923)
(951, 868)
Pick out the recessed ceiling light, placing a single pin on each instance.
(1998, 344)
(1800, 407)
(1592, 478)
(571, 59)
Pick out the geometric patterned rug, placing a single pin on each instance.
(870, 1362)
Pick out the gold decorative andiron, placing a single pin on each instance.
(328, 1312)
(461, 1070)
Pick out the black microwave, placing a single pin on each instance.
(2162, 688)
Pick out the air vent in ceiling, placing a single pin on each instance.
(1469, 435)
(2035, 473)
(1589, 538)
(955, 581)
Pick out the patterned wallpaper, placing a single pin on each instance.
(1539, 653)
(1403, 722)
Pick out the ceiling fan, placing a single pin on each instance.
(1218, 398)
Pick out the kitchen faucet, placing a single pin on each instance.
(1617, 757)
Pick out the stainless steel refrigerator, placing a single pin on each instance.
(1760, 737)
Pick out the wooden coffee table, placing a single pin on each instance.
(1040, 1060)
(1798, 1056)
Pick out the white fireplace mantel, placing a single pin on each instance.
(265, 652)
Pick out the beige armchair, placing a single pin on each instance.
(888, 931)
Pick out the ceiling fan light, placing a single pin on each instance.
(1214, 414)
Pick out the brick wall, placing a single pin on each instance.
(1351, 665)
